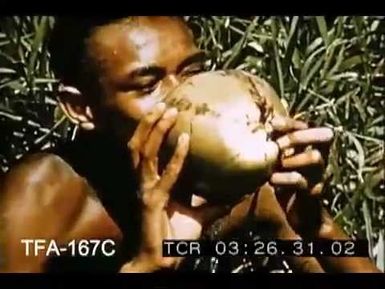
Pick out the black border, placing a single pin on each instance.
(191, 7)
(193, 281)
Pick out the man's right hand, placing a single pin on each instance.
(162, 218)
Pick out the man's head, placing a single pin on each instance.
(113, 71)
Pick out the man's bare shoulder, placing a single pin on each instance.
(44, 173)
(34, 167)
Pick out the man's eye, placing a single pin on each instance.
(139, 87)
(193, 69)
(149, 88)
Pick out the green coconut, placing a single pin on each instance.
(227, 115)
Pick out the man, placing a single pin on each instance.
(106, 184)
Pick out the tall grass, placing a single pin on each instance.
(329, 70)
(27, 102)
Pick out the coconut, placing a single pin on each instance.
(226, 114)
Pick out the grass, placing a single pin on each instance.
(329, 70)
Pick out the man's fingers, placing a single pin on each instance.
(174, 167)
(294, 179)
(285, 124)
(302, 160)
(316, 191)
(143, 129)
(307, 136)
(156, 136)
(150, 171)
(288, 152)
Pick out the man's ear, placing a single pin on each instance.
(75, 107)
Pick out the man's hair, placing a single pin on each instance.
(67, 46)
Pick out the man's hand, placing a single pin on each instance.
(304, 155)
(298, 182)
(304, 152)
(162, 218)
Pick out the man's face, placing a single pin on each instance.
(138, 61)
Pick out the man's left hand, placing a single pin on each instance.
(299, 180)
